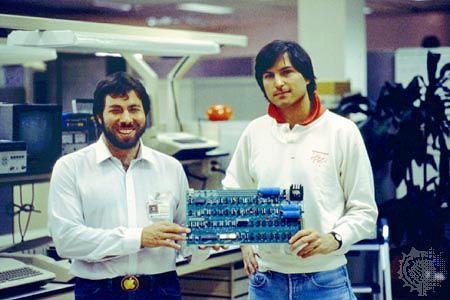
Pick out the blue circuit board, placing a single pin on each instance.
(224, 217)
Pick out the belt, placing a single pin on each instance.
(130, 283)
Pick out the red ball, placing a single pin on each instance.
(219, 112)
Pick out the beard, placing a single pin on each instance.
(120, 143)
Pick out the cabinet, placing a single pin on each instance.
(223, 282)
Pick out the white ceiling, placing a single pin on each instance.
(246, 12)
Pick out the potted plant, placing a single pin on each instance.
(407, 133)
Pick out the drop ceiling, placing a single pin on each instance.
(164, 13)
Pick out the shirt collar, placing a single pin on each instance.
(313, 114)
(103, 153)
(147, 154)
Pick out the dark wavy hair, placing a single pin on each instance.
(118, 84)
(299, 57)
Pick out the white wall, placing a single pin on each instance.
(334, 35)
(242, 94)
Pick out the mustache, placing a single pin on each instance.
(127, 126)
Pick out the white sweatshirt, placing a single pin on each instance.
(329, 159)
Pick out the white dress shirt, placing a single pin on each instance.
(97, 210)
(329, 159)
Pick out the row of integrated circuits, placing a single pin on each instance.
(224, 217)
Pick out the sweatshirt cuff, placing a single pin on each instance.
(347, 241)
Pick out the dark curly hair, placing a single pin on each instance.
(118, 84)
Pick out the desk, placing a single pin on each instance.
(48, 290)
(227, 257)
(220, 258)
(212, 154)
(55, 290)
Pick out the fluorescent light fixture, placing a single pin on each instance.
(123, 7)
(116, 43)
(206, 8)
(110, 54)
(14, 55)
(104, 54)
(163, 21)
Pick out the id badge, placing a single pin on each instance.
(158, 207)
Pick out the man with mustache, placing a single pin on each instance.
(115, 207)
(301, 142)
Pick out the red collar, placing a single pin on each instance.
(313, 114)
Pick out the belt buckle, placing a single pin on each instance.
(129, 283)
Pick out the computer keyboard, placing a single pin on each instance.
(14, 273)
(18, 274)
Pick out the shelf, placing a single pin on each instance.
(24, 178)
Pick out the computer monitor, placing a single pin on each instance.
(39, 126)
